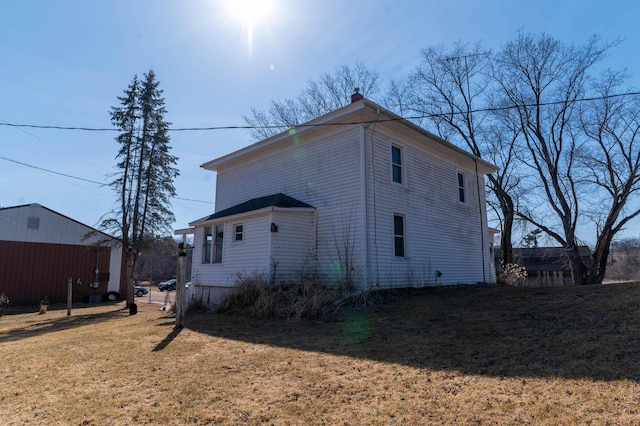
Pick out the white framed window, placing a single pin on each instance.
(462, 195)
(217, 243)
(396, 164)
(207, 245)
(212, 244)
(399, 235)
(238, 232)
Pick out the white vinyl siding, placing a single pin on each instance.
(287, 253)
(251, 256)
(442, 237)
(346, 173)
(323, 172)
(293, 246)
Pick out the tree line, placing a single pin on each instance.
(561, 127)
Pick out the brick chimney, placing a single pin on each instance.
(356, 95)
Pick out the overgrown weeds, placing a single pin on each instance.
(254, 295)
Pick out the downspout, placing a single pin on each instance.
(484, 275)
(272, 266)
(364, 203)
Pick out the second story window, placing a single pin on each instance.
(461, 191)
(396, 164)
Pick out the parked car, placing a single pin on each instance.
(139, 290)
(169, 285)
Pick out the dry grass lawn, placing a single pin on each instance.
(450, 356)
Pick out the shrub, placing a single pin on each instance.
(512, 274)
(254, 295)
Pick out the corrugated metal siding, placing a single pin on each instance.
(31, 271)
(52, 227)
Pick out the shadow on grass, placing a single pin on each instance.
(590, 332)
(165, 342)
(43, 324)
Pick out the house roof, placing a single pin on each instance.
(544, 258)
(361, 112)
(279, 200)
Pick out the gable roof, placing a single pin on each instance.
(279, 200)
(40, 206)
(361, 112)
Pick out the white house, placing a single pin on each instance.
(40, 249)
(358, 195)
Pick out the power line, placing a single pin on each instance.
(50, 171)
(85, 180)
(211, 128)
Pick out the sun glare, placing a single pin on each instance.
(249, 12)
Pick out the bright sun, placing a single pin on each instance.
(249, 11)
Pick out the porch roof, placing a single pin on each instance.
(279, 200)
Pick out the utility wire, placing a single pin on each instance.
(50, 171)
(83, 179)
(418, 117)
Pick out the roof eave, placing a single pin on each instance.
(257, 212)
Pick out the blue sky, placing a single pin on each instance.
(64, 63)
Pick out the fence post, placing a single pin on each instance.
(69, 294)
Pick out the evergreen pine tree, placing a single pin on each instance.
(144, 182)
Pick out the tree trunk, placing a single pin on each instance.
(578, 269)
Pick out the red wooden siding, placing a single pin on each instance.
(31, 271)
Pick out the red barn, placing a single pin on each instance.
(40, 250)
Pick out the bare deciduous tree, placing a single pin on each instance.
(328, 93)
(450, 90)
(544, 80)
(610, 164)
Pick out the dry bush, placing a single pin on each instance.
(512, 274)
(254, 295)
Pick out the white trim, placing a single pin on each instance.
(364, 200)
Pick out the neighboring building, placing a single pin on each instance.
(357, 196)
(545, 266)
(41, 249)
